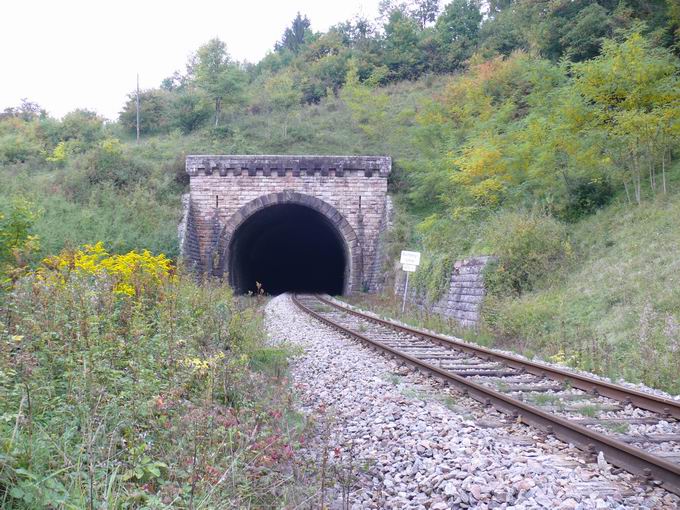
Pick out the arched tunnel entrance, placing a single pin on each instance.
(288, 248)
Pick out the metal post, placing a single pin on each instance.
(403, 305)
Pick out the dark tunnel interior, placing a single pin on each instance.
(288, 248)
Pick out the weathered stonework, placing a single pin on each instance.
(378, 273)
(462, 301)
(350, 191)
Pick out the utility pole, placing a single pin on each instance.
(137, 108)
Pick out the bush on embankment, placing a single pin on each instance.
(615, 309)
(124, 383)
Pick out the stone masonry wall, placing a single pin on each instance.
(463, 299)
(378, 272)
(221, 186)
(188, 235)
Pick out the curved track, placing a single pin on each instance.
(634, 430)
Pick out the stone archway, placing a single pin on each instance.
(350, 240)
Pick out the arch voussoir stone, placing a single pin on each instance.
(333, 216)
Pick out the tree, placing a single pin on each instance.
(81, 126)
(218, 76)
(581, 38)
(368, 105)
(324, 65)
(496, 6)
(425, 11)
(154, 111)
(282, 96)
(295, 36)
(403, 54)
(27, 111)
(635, 89)
(458, 32)
(189, 109)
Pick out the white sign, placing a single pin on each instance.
(411, 258)
(409, 267)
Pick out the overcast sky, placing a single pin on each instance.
(67, 54)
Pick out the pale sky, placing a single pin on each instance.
(67, 54)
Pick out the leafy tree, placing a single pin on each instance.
(457, 30)
(26, 111)
(356, 33)
(635, 89)
(189, 109)
(581, 38)
(218, 76)
(82, 125)
(403, 55)
(674, 24)
(154, 114)
(282, 95)
(573, 29)
(504, 32)
(367, 105)
(425, 11)
(483, 169)
(322, 66)
(496, 6)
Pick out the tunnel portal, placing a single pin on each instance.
(288, 248)
(234, 228)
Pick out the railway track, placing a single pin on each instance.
(636, 431)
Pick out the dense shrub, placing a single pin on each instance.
(154, 114)
(83, 125)
(17, 241)
(529, 246)
(585, 196)
(109, 163)
(16, 148)
(127, 385)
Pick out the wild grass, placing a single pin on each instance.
(617, 311)
(166, 397)
(389, 307)
(543, 399)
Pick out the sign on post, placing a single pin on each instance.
(410, 260)
(410, 257)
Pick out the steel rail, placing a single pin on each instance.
(663, 406)
(630, 458)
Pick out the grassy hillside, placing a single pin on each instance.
(616, 307)
(134, 200)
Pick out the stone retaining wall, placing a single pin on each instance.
(463, 299)
(377, 274)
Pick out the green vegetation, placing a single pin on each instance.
(126, 385)
(615, 309)
(590, 410)
(545, 399)
(545, 133)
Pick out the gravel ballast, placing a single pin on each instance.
(389, 437)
